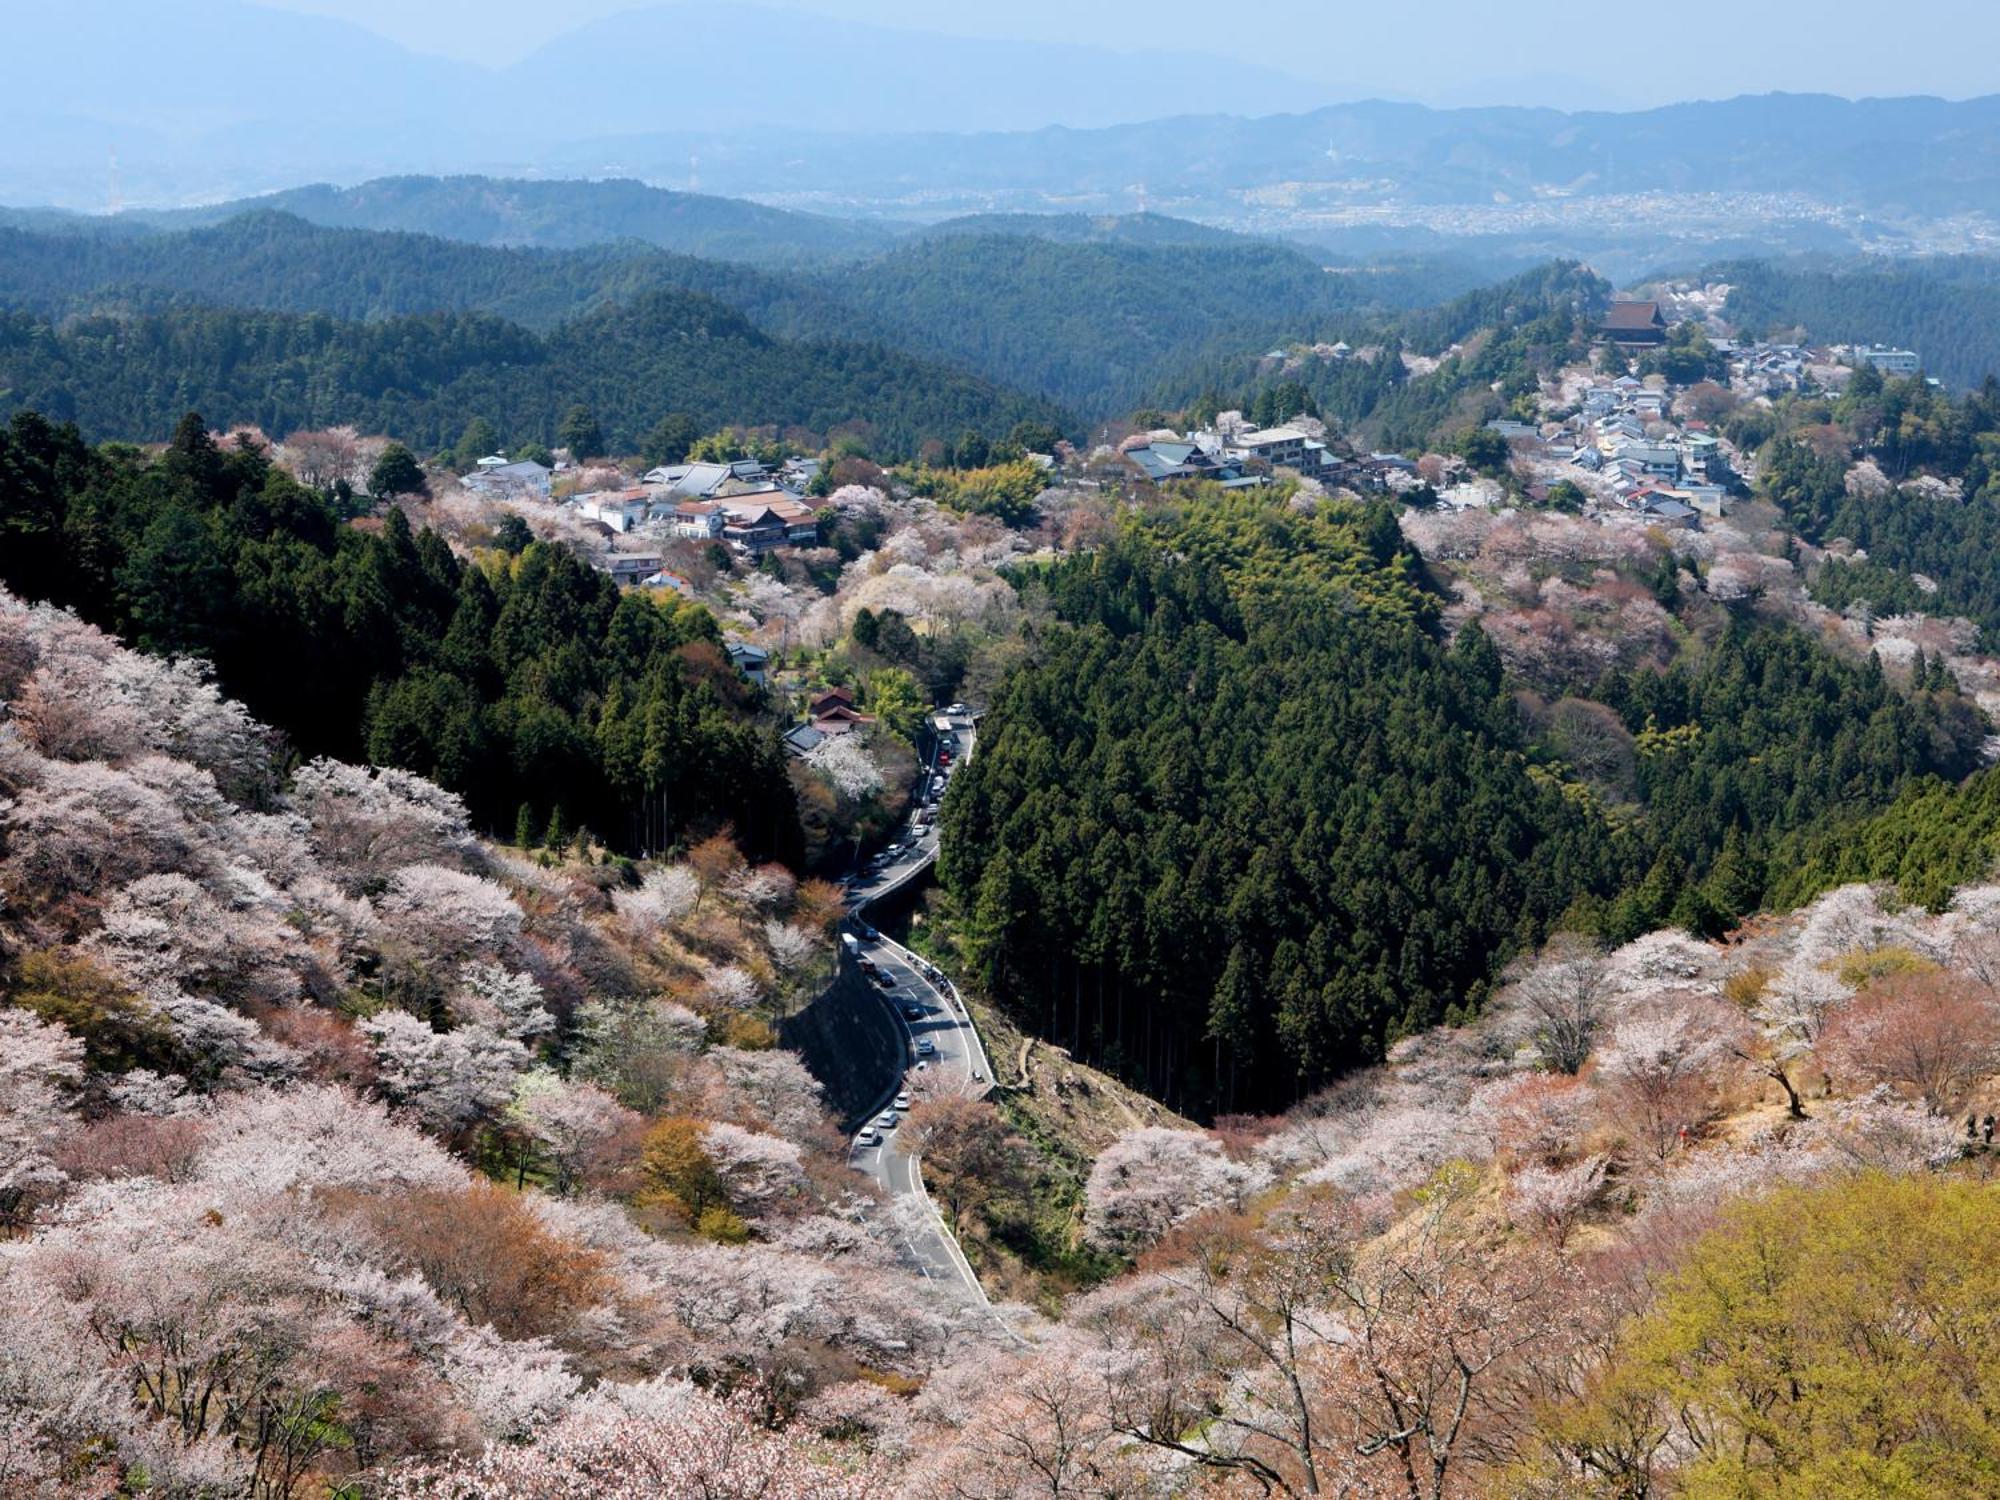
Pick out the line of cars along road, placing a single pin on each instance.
(913, 1008)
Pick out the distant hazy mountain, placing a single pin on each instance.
(562, 215)
(1919, 155)
(211, 99)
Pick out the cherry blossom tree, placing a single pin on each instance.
(1561, 1002)
(1933, 1034)
(730, 987)
(368, 824)
(1553, 1198)
(699, 1448)
(1787, 1020)
(1396, 1145)
(668, 893)
(847, 766)
(503, 1000)
(1661, 1066)
(40, 1068)
(449, 913)
(315, 1137)
(640, 1050)
(762, 886)
(217, 1045)
(771, 1090)
(58, 1406)
(167, 928)
(758, 1171)
(567, 1122)
(792, 948)
(87, 828)
(451, 1081)
(1537, 1118)
(320, 459)
(1880, 1131)
(1024, 1423)
(1151, 1179)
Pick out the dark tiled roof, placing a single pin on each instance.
(1634, 315)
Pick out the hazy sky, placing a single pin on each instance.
(1457, 51)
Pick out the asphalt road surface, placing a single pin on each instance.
(942, 1053)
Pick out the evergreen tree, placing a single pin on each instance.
(512, 535)
(669, 439)
(580, 433)
(478, 440)
(396, 472)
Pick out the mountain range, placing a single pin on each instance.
(211, 100)
(1091, 313)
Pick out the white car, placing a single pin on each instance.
(926, 1047)
(868, 1136)
(902, 1101)
(887, 1119)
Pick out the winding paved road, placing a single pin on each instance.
(958, 1061)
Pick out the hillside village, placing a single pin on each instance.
(787, 546)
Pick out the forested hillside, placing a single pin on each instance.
(563, 214)
(1905, 472)
(530, 685)
(274, 262)
(1947, 309)
(1093, 325)
(1246, 818)
(1088, 315)
(1491, 346)
(423, 378)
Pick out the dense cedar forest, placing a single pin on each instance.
(1247, 818)
(523, 683)
(1935, 837)
(1093, 326)
(424, 377)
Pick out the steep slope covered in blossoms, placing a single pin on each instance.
(334, 1141)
